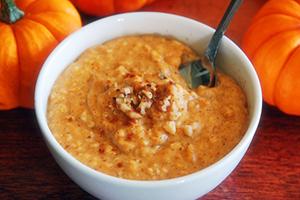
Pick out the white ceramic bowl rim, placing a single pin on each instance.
(41, 116)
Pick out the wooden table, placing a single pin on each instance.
(270, 169)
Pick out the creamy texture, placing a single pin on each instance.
(122, 108)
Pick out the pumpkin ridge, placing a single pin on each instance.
(279, 14)
(275, 64)
(52, 11)
(32, 18)
(281, 70)
(275, 13)
(43, 26)
(29, 18)
(27, 80)
(265, 10)
(33, 7)
(272, 43)
(251, 34)
(19, 66)
(7, 106)
(271, 37)
(19, 70)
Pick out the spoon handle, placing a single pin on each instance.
(211, 50)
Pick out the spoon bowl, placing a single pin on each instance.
(203, 71)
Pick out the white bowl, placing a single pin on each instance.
(230, 59)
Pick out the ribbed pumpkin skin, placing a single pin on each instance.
(108, 7)
(25, 45)
(272, 43)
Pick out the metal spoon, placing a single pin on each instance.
(203, 71)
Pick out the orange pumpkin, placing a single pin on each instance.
(108, 7)
(28, 33)
(272, 43)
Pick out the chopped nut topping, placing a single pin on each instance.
(135, 102)
(170, 127)
(87, 119)
(148, 94)
(143, 106)
(188, 130)
(163, 138)
(124, 104)
(136, 99)
(127, 90)
(153, 86)
(166, 103)
(134, 115)
(191, 154)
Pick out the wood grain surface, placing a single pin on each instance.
(269, 170)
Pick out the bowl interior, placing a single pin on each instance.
(230, 58)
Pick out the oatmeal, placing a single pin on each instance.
(122, 108)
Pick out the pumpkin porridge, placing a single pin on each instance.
(122, 108)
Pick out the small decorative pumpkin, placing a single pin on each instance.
(108, 7)
(272, 43)
(29, 30)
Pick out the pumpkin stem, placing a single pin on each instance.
(9, 12)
